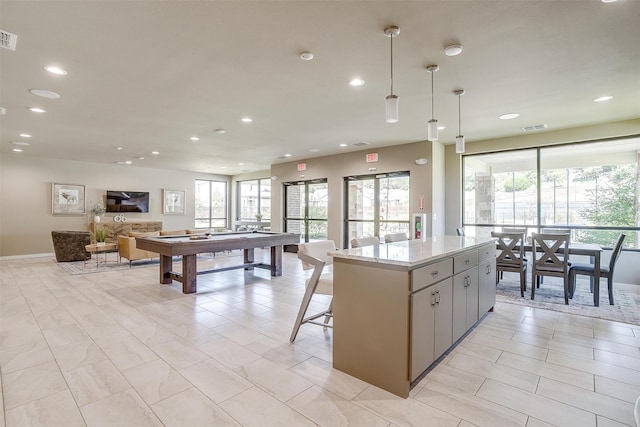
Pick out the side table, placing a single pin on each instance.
(96, 250)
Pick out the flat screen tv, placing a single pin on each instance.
(128, 201)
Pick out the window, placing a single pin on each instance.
(211, 204)
(590, 188)
(377, 205)
(306, 209)
(254, 197)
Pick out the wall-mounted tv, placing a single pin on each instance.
(128, 201)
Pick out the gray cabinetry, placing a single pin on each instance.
(486, 279)
(431, 311)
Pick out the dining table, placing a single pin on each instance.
(594, 252)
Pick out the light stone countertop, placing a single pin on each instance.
(411, 253)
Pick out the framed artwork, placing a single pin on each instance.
(67, 199)
(174, 202)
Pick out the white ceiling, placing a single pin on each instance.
(149, 75)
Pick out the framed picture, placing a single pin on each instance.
(174, 202)
(67, 199)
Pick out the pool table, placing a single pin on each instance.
(189, 246)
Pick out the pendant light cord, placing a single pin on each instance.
(391, 63)
(459, 121)
(432, 112)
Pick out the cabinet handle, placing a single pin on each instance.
(433, 298)
(467, 281)
(438, 297)
(467, 261)
(488, 269)
(434, 273)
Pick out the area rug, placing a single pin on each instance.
(550, 296)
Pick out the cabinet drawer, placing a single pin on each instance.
(486, 252)
(465, 261)
(432, 273)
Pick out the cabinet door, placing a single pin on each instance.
(487, 286)
(459, 304)
(472, 298)
(465, 301)
(422, 330)
(443, 316)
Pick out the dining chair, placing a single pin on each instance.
(550, 258)
(605, 271)
(359, 242)
(511, 257)
(547, 230)
(315, 255)
(395, 237)
(514, 230)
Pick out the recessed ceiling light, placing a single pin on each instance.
(37, 109)
(55, 70)
(25, 135)
(442, 127)
(155, 153)
(608, 1)
(306, 56)
(603, 98)
(220, 131)
(453, 50)
(194, 138)
(223, 167)
(356, 82)
(20, 143)
(246, 119)
(44, 93)
(342, 145)
(18, 150)
(118, 148)
(140, 158)
(240, 164)
(287, 155)
(314, 150)
(509, 116)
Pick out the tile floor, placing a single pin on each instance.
(117, 348)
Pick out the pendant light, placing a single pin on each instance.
(432, 127)
(460, 137)
(392, 100)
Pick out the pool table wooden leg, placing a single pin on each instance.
(276, 260)
(165, 269)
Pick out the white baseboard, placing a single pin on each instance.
(8, 258)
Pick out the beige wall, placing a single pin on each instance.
(26, 221)
(335, 168)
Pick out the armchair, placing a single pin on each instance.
(127, 247)
(70, 245)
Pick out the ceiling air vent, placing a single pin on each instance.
(534, 128)
(360, 144)
(8, 40)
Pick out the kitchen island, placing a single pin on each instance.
(399, 307)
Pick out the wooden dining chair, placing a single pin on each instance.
(550, 258)
(359, 242)
(605, 271)
(511, 257)
(315, 255)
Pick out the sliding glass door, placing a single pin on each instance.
(306, 207)
(376, 205)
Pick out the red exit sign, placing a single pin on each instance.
(302, 167)
(372, 157)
